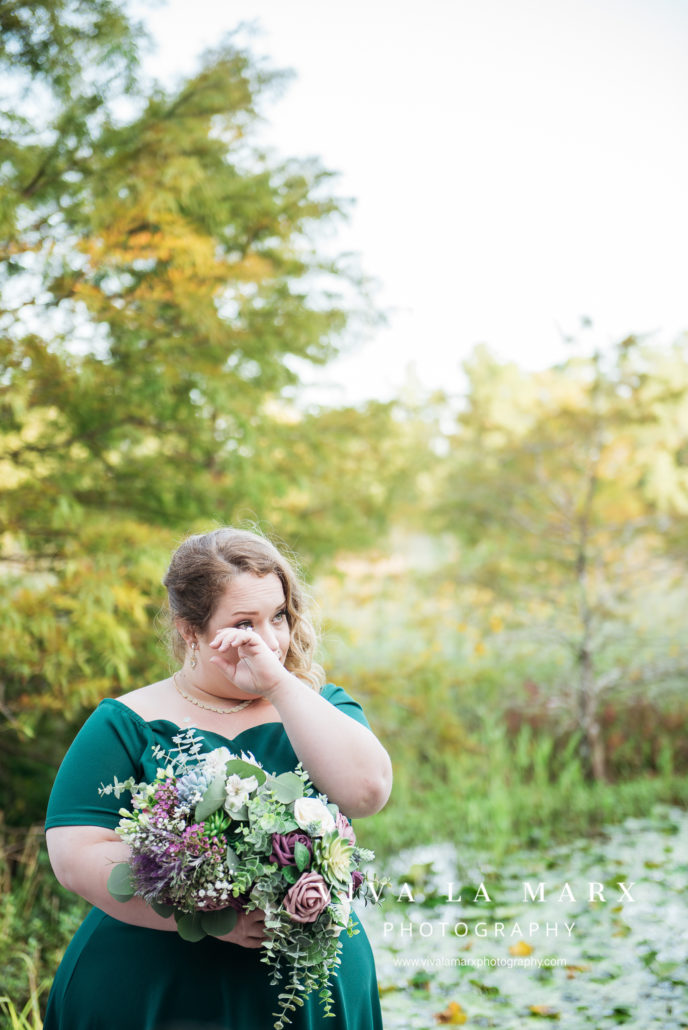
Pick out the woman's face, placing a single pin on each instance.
(249, 600)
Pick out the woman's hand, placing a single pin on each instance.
(247, 661)
(249, 931)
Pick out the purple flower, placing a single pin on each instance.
(283, 845)
(150, 875)
(357, 879)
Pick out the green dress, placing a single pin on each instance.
(115, 976)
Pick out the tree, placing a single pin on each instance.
(171, 280)
(160, 280)
(565, 483)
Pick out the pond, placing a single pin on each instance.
(594, 934)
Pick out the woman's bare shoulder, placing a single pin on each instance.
(149, 701)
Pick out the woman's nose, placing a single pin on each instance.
(269, 636)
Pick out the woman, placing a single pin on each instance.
(247, 679)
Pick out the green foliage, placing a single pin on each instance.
(190, 926)
(159, 282)
(341, 477)
(461, 701)
(37, 920)
(566, 488)
(58, 42)
(120, 884)
(213, 799)
(220, 922)
(494, 801)
(29, 1017)
(287, 787)
(175, 281)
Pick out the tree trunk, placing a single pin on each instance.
(593, 743)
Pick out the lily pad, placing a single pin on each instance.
(571, 967)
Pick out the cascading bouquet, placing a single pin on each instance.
(215, 834)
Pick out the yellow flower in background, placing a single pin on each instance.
(453, 1015)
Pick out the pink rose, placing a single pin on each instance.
(344, 828)
(307, 898)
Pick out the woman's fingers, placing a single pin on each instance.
(255, 918)
(245, 659)
(225, 639)
(256, 924)
(249, 931)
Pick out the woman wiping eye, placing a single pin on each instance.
(249, 624)
(245, 648)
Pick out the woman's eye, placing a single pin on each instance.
(281, 616)
(243, 625)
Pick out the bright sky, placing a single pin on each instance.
(516, 165)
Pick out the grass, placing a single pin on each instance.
(29, 1016)
(507, 795)
(38, 913)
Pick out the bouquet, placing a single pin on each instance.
(215, 834)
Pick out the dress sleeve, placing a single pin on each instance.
(110, 743)
(340, 699)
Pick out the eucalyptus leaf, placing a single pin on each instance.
(220, 922)
(189, 926)
(287, 787)
(162, 910)
(232, 859)
(120, 883)
(237, 767)
(213, 798)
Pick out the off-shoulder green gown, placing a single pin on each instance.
(115, 976)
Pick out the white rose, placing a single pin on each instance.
(313, 816)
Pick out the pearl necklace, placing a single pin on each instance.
(211, 708)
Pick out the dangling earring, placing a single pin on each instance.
(193, 660)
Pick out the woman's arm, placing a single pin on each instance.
(82, 858)
(343, 758)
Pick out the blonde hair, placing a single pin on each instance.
(205, 564)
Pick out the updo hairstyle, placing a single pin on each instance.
(204, 565)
